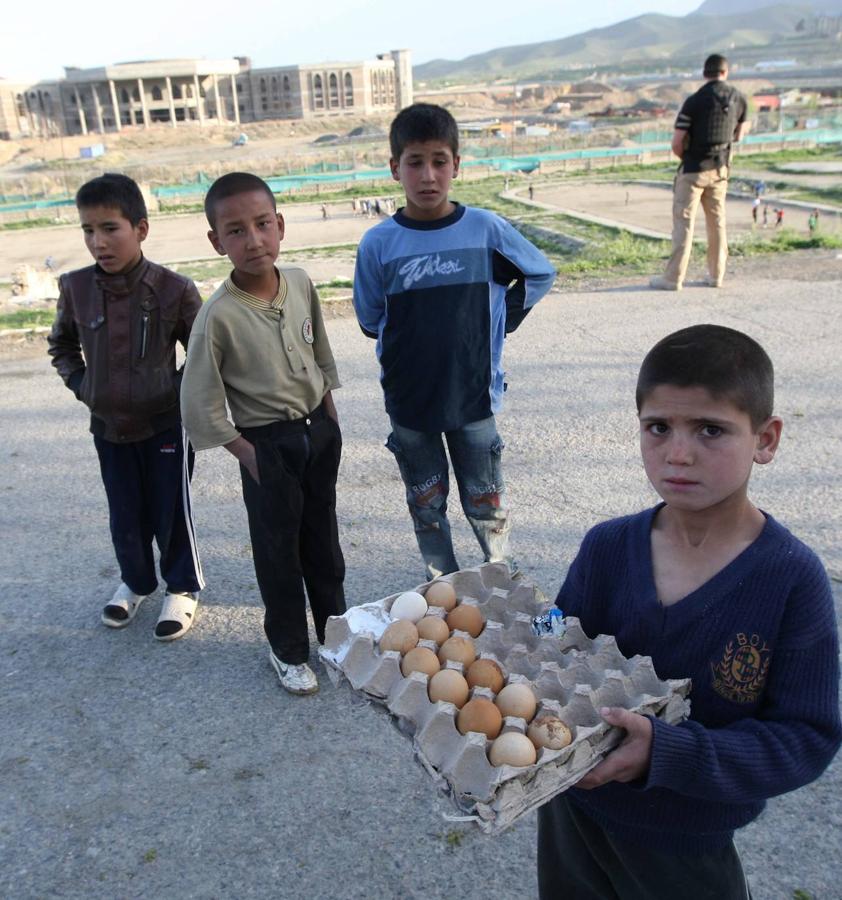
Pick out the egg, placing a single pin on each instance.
(480, 715)
(485, 673)
(466, 618)
(401, 636)
(458, 649)
(512, 749)
(420, 659)
(410, 605)
(549, 732)
(441, 593)
(432, 628)
(517, 699)
(450, 686)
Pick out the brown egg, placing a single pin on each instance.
(441, 593)
(485, 673)
(466, 618)
(512, 749)
(450, 686)
(458, 649)
(517, 700)
(480, 715)
(432, 628)
(420, 659)
(401, 636)
(549, 732)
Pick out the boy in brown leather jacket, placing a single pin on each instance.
(113, 343)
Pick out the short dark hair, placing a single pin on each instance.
(715, 65)
(229, 186)
(114, 190)
(726, 362)
(422, 122)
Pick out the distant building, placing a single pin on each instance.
(200, 91)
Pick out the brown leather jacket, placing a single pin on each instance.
(113, 342)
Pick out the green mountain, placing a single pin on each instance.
(643, 41)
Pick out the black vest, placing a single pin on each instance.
(716, 111)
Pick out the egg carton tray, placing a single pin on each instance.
(571, 675)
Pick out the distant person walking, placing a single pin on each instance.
(531, 192)
(755, 205)
(765, 215)
(709, 122)
(779, 217)
(813, 222)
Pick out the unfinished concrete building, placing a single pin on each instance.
(179, 92)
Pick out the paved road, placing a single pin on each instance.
(133, 769)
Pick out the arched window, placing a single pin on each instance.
(334, 89)
(135, 94)
(274, 85)
(156, 93)
(318, 92)
(286, 84)
(176, 92)
(349, 89)
(262, 85)
(124, 95)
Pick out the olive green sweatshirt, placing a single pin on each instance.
(270, 361)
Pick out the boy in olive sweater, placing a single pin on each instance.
(260, 345)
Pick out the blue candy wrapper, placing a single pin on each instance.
(551, 622)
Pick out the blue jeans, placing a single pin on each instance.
(475, 451)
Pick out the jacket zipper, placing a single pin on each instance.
(144, 334)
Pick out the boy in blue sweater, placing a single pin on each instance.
(439, 286)
(712, 589)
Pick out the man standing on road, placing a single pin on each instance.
(709, 122)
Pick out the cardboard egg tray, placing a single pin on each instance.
(572, 676)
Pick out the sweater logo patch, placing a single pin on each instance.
(428, 266)
(307, 330)
(741, 674)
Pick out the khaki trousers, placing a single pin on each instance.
(710, 188)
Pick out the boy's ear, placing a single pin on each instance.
(456, 160)
(393, 165)
(768, 438)
(142, 229)
(281, 225)
(212, 237)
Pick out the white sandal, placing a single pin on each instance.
(179, 611)
(122, 607)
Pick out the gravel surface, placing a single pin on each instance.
(132, 768)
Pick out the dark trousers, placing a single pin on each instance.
(579, 860)
(292, 523)
(148, 488)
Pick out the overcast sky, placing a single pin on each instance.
(38, 39)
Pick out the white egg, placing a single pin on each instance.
(410, 606)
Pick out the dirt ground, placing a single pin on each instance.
(649, 206)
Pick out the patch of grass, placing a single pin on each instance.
(27, 318)
(453, 838)
(150, 855)
(199, 765)
(782, 241)
(43, 222)
(801, 894)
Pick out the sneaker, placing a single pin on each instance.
(122, 607)
(709, 281)
(659, 283)
(299, 679)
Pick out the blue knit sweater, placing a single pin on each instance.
(759, 642)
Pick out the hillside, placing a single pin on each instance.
(643, 40)
(731, 7)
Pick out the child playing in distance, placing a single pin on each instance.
(439, 286)
(715, 590)
(113, 342)
(260, 344)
